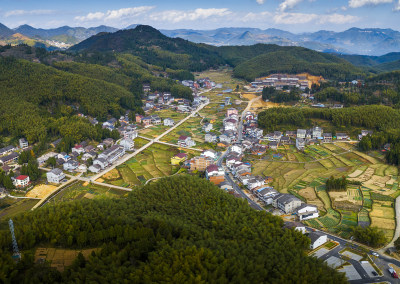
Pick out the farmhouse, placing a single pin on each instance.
(200, 163)
(186, 141)
(55, 176)
(327, 137)
(128, 144)
(215, 174)
(9, 158)
(300, 144)
(101, 162)
(210, 137)
(23, 143)
(113, 153)
(273, 145)
(95, 168)
(266, 194)
(255, 182)
(342, 136)
(169, 122)
(78, 149)
(231, 111)
(286, 202)
(301, 133)
(21, 181)
(178, 158)
(6, 150)
(296, 226)
(307, 211)
(317, 239)
(71, 165)
(207, 127)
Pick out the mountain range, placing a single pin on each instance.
(369, 41)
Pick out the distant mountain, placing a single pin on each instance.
(384, 63)
(5, 32)
(154, 48)
(352, 41)
(65, 34)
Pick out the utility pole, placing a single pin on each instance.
(17, 254)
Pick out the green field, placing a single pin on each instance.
(375, 198)
(153, 162)
(87, 191)
(10, 207)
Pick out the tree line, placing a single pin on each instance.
(179, 229)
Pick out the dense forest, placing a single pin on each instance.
(278, 96)
(295, 60)
(177, 230)
(373, 117)
(336, 184)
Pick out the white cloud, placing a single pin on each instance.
(338, 19)
(176, 16)
(28, 12)
(294, 18)
(361, 3)
(397, 6)
(112, 15)
(260, 1)
(288, 4)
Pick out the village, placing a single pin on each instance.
(215, 136)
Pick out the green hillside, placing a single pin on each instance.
(177, 230)
(388, 66)
(32, 93)
(297, 60)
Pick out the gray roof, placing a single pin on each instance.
(287, 198)
(302, 206)
(56, 171)
(315, 236)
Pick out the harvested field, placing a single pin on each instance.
(41, 191)
(356, 173)
(309, 194)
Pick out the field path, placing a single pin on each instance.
(397, 231)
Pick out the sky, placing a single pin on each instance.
(291, 15)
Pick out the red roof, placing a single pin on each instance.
(22, 177)
(212, 168)
(181, 155)
(183, 137)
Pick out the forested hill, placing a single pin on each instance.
(296, 60)
(154, 48)
(32, 93)
(177, 230)
(249, 61)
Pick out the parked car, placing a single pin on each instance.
(393, 273)
(374, 273)
(375, 254)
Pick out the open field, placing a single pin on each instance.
(41, 191)
(371, 203)
(10, 207)
(222, 76)
(153, 162)
(192, 127)
(87, 191)
(60, 258)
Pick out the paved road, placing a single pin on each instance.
(155, 140)
(240, 127)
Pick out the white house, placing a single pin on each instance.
(55, 176)
(71, 165)
(185, 141)
(317, 239)
(317, 132)
(23, 143)
(82, 168)
(210, 137)
(169, 122)
(307, 211)
(255, 182)
(101, 162)
(21, 181)
(95, 168)
(237, 148)
(266, 194)
(128, 144)
(301, 133)
(207, 127)
(210, 154)
(296, 226)
(78, 149)
(300, 144)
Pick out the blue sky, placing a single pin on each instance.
(292, 15)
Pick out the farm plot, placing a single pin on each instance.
(87, 191)
(350, 199)
(191, 127)
(382, 216)
(309, 194)
(10, 207)
(333, 148)
(153, 162)
(363, 218)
